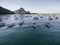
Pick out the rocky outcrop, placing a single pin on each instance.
(27, 12)
(21, 11)
(5, 11)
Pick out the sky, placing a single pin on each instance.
(34, 6)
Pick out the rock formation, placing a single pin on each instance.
(21, 11)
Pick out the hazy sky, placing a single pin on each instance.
(39, 6)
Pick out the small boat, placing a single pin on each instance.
(56, 18)
(41, 17)
(2, 24)
(35, 18)
(50, 18)
(11, 25)
(21, 23)
(47, 25)
(34, 25)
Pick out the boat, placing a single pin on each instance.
(11, 25)
(21, 23)
(35, 18)
(2, 24)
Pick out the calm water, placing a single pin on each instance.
(26, 34)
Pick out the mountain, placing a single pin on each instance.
(5, 11)
(21, 11)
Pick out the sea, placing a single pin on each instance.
(30, 29)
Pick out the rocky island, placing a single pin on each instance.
(21, 11)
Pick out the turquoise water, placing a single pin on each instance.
(27, 35)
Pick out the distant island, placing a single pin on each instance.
(22, 11)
